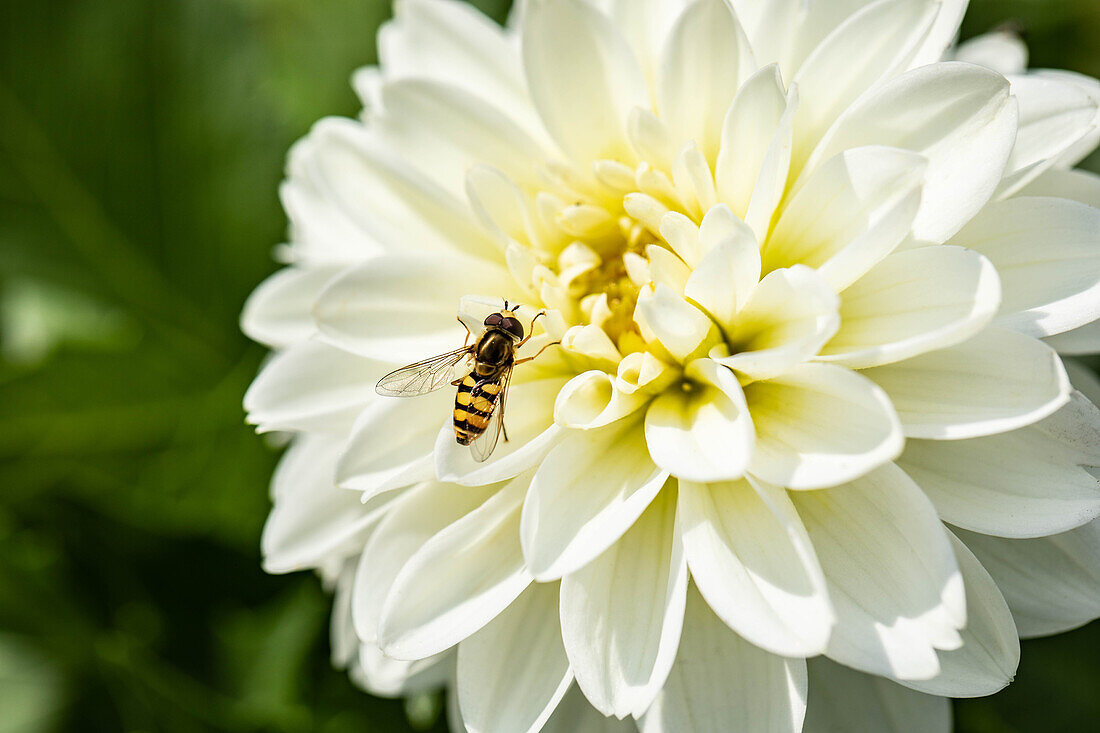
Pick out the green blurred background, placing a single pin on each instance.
(141, 146)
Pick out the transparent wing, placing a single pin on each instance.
(486, 443)
(423, 376)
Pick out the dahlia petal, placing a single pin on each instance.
(786, 320)
(665, 268)
(343, 642)
(1087, 144)
(576, 715)
(1025, 483)
(842, 699)
(529, 420)
(1082, 340)
(622, 613)
(455, 44)
(680, 327)
(387, 198)
(704, 433)
(1075, 185)
(583, 78)
(721, 682)
(891, 573)
(313, 521)
(514, 672)
(912, 302)
(312, 386)
(387, 677)
(987, 660)
(752, 561)
(1055, 116)
(1051, 583)
(458, 580)
(646, 25)
(403, 308)
(943, 33)
(1047, 253)
(995, 382)
(593, 400)
(874, 43)
(412, 520)
(960, 117)
(706, 58)
(588, 491)
(1000, 50)
(801, 443)
(1086, 381)
(277, 313)
(726, 275)
(849, 214)
(391, 444)
(747, 133)
(444, 131)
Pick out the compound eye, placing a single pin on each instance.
(513, 326)
(494, 319)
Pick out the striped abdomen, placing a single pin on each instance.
(474, 405)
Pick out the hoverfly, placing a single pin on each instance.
(482, 392)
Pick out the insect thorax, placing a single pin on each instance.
(494, 349)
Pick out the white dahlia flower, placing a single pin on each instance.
(806, 458)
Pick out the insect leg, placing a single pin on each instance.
(544, 348)
(469, 333)
(531, 329)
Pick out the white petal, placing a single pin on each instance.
(891, 574)
(1000, 50)
(849, 214)
(987, 660)
(444, 131)
(725, 277)
(997, 381)
(313, 521)
(1026, 483)
(1055, 115)
(403, 308)
(960, 117)
(277, 312)
(646, 25)
(514, 672)
(1076, 185)
(413, 519)
(747, 132)
(529, 420)
(753, 562)
(703, 64)
(585, 495)
(1051, 583)
(576, 715)
(583, 78)
(722, 683)
(681, 328)
(820, 425)
(391, 443)
(458, 581)
(702, 432)
(622, 613)
(872, 44)
(912, 302)
(455, 44)
(386, 197)
(312, 386)
(1047, 253)
(843, 700)
(788, 317)
(1083, 340)
(387, 677)
(943, 33)
(592, 400)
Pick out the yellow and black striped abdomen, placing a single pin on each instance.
(474, 405)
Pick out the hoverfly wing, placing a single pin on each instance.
(484, 445)
(423, 376)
